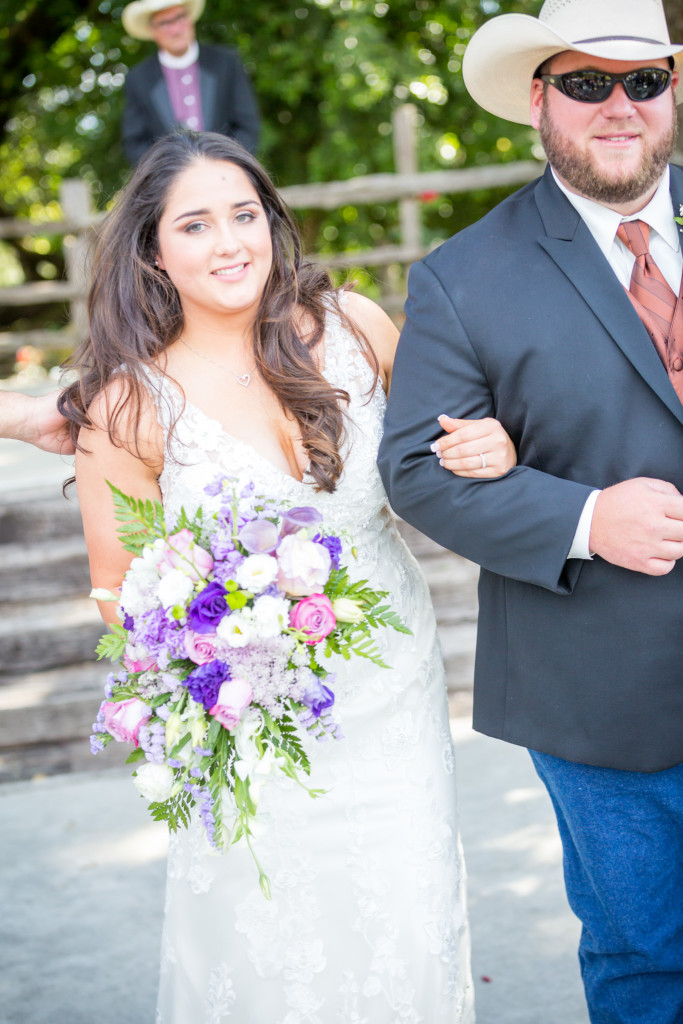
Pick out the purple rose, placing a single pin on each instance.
(300, 518)
(205, 681)
(208, 608)
(317, 697)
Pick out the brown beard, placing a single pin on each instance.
(579, 173)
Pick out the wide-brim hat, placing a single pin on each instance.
(135, 17)
(502, 56)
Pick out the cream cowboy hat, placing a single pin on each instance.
(499, 63)
(135, 17)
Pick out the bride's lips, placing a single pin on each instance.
(232, 273)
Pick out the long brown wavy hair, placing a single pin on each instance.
(135, 311)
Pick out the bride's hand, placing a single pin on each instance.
(480, 449)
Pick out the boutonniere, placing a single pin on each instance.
(679, 219)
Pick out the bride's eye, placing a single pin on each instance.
(244, 217)
(194, 227)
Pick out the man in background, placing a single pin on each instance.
(200, 87)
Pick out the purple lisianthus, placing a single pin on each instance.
(317, 697)
(205, 682)
(259, 536)
(208, 608)
(128, 621)
(333, 545)
(300, 518)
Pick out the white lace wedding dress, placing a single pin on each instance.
(367, 922)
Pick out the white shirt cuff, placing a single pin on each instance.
(581, 544)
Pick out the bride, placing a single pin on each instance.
(213, 346)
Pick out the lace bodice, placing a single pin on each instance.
(199, 445)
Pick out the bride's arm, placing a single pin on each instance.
(120, 465)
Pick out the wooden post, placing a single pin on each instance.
(75, 198)
(404, 121)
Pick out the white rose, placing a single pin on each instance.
(174, 588)
(257, 572)
(270, 615)
(154, 781)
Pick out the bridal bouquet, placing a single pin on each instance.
(224, 625)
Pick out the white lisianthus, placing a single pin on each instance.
(174, 588)
(270, 615)
(346, 610)
(174, 726)
(237, 629)
(102, 594)
(255, 768)
(257, 572)
(154, 781)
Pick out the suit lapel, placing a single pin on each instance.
(208, 83)
(571, 246)
(158, 94)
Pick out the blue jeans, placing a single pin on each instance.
(622, 835)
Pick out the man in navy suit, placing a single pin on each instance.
(568, 327)
(203, 88)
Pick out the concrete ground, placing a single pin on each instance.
(82, 878)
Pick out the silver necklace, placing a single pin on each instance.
(244, 379)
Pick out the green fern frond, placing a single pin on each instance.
(142, 521)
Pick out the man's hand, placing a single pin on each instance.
(35, 420)
(638, 524)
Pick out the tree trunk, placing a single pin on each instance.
(674, 15)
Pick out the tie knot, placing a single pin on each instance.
(636, 235)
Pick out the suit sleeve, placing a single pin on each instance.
(520, 525)
(136, 136)
(245, 118)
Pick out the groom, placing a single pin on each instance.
(561, 314)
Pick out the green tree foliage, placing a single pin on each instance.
(328, 74)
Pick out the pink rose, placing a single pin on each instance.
(140, 664)
(314, 616)
(200, 647)
(183, 553)
(123, 718)
(304, 566)
(233, 697)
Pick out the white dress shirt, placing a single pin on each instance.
(665, 247)
(184, 61)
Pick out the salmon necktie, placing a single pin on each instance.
(659, 308)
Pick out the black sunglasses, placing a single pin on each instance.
(595, 86)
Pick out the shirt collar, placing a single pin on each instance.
(603, 223)
(167, 60)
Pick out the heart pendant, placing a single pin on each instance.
(244, 380)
